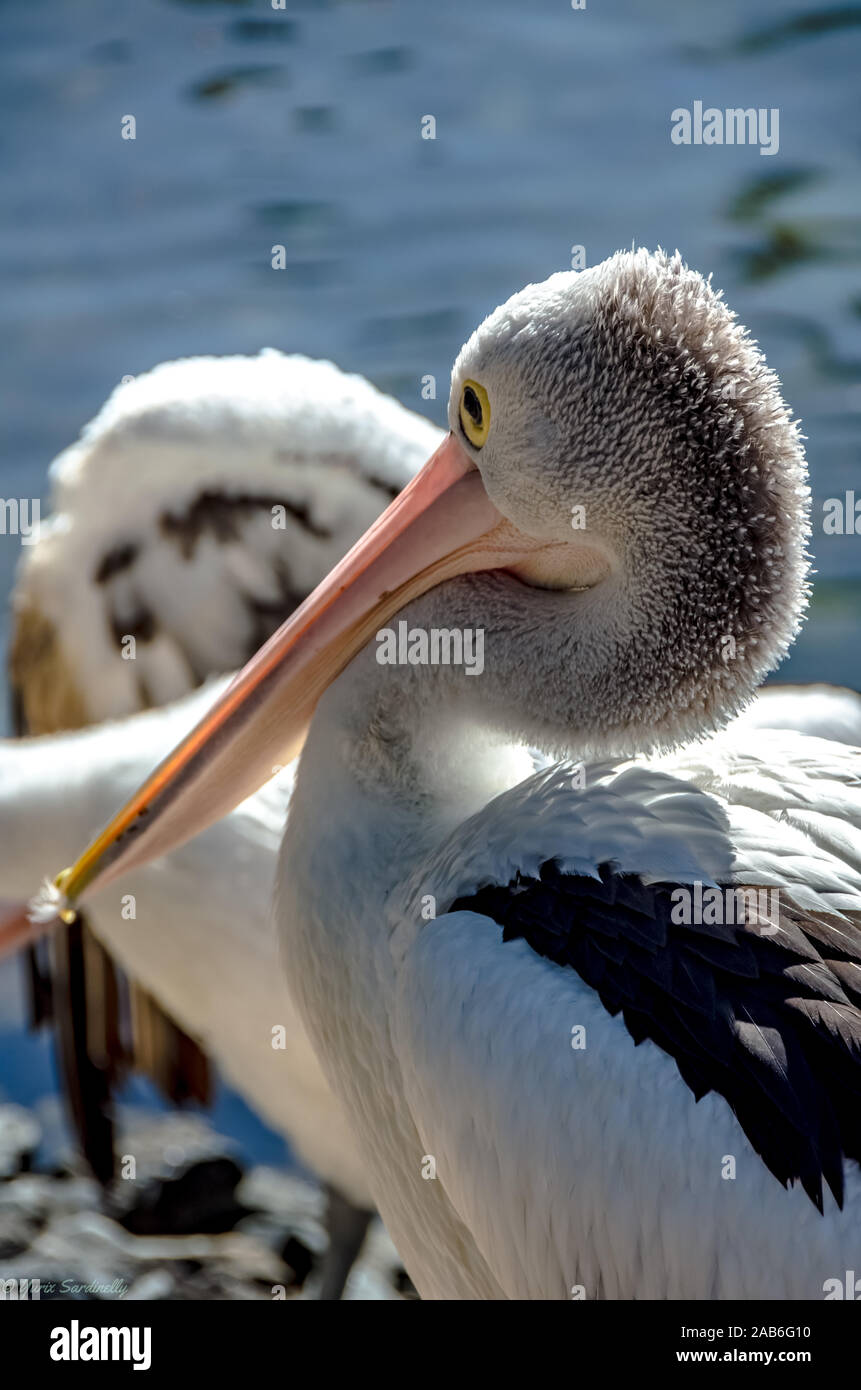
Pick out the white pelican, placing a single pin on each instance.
(621, 508)
(203, 502)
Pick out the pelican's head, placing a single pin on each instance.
(624, 420)
(621, 502)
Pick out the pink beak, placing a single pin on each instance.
(443, 524)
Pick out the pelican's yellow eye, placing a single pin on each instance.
(474, 413)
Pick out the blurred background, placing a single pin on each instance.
(301, 127)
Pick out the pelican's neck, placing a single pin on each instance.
(386, 772)
(395, 758)
(392, 764)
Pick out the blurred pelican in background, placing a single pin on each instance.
(203, 502)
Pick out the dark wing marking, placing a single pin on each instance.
(37, 967)
(220, 515)
(40, 994)
(770, 1022)
(165, 1053)
(391, 490)
(115, 561)
(105, 1029)
(87, 1020)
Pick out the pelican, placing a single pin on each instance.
(206, 498)
(203, 502)
(568, 1077)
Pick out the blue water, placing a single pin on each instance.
(301, 127)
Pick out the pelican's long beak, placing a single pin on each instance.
(442, 524)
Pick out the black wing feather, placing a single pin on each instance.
(772, 1023)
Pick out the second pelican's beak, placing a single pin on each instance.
(443, 524)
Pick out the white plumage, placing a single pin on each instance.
(529, 1137)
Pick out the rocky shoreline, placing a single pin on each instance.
(191, 1224)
